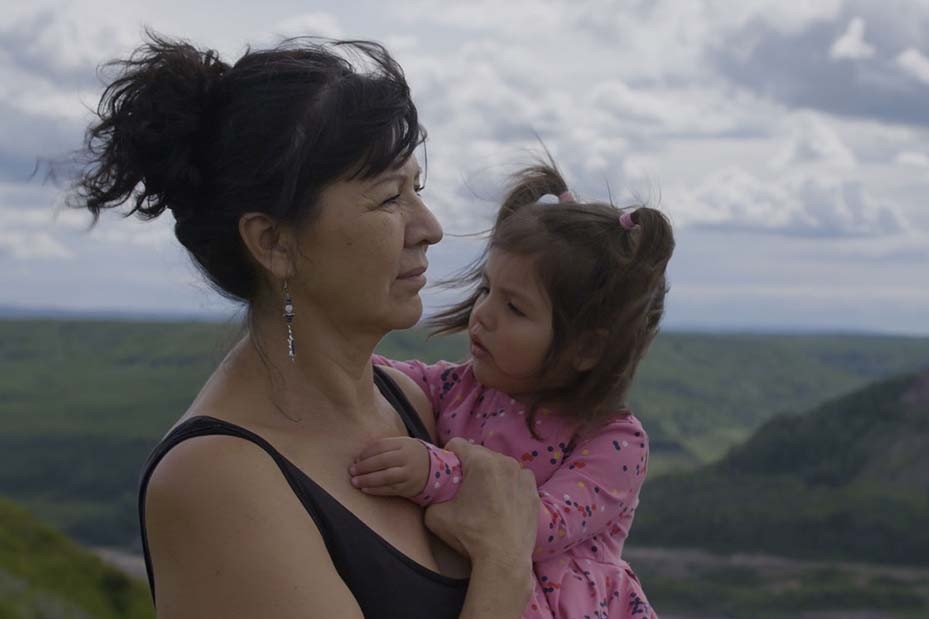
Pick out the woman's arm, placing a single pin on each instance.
(492, 521)
(228, 538)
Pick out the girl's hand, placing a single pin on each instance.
(394, 466)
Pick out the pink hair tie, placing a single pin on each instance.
(567, 196)
(626, 220)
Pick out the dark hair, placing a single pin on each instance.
(604, 282)
(179, 129)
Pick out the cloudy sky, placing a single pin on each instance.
(787, 140)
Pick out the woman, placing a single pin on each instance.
(292, 180)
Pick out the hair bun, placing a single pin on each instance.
(148, 139)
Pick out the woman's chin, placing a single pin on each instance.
(406, 315)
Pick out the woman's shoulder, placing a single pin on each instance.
(216, 506)
(199, 469)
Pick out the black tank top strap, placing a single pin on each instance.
(385, 582)
(398, 400)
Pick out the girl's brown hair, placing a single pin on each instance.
(606, 284)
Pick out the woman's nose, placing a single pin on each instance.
(423, 227)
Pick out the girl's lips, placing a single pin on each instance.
(478, 351)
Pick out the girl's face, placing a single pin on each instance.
(363, 260)
(511, 325)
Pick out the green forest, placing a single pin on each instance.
(45, 575)
(848, 480)
(804, 446)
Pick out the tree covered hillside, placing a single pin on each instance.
(45, 575)
(849, 480)
(82, 402)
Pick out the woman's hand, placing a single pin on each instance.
(494, 516)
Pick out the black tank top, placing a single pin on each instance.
(386, 583)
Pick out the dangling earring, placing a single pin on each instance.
(289, 317)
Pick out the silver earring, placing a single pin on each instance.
(289, 317)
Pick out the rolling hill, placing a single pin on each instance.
(82, 401)
(45, 575)
(848, 480)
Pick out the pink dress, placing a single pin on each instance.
(588, 486)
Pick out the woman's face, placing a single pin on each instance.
(362, 260)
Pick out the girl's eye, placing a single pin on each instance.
(419, 189)
(482, 290)
(515, 309)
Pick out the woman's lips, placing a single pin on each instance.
(419, 280)
(418, 271)
(414, 276)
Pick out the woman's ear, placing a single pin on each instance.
(269, 245)
(589, 349)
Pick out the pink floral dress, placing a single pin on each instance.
(588, 486)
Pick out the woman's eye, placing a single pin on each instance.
(482, 290)
(390, 200)
(418, 189)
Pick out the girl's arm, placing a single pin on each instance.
(594, 487)
(434, 379)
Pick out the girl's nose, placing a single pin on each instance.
(483, 315)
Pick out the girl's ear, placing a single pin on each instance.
(589, 349)
(269, 245)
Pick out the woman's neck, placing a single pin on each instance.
(331, 369)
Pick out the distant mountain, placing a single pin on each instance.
(83, 401)
(849, 480)
(44, 574)
(17, 312)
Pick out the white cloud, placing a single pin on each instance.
(915, 64)
(631, 94)
(812, 140)
(63, 40)
(798, 205)
(315, 24)
(911, 158)
(24, 237)
(136, 233)
(852, 45)
(519, 18)
(785, 17)
(32, 246)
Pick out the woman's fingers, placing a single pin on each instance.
(495, 512)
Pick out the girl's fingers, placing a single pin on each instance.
(378, 462)
(395, 475)
(391, 490)
(379, 446)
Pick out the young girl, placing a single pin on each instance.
(568, 298)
